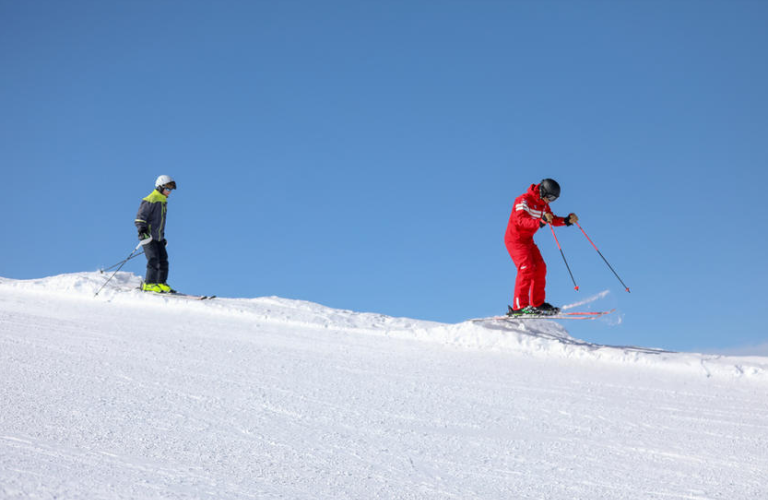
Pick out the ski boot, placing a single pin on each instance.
(165, 288)
(524, 311)
(547, 309)
(152, 287)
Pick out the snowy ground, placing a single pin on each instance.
(133, 396)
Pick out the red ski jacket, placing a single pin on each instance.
(526, 216)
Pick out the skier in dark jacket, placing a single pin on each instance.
(530, 213)
(150, 221)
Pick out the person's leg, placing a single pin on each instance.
(522, 256)
(162, 265)
(152, 252)
(539, 281)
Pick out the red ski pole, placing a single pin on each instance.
(575, 286)
(604, 259)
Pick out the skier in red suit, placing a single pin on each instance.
(530, 213)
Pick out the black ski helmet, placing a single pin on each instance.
(549, 188)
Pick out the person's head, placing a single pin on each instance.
(549, 190)
(165, 184)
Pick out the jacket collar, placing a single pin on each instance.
(156, 196)
(535, 192)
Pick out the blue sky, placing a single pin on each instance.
(365, 155)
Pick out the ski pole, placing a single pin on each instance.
(575, 286)
(604, 259)
(121, 265)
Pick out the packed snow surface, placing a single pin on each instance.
(132, 395)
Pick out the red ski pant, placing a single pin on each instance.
(531, 274)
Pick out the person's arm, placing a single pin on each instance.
(523, 216)
(142, 218)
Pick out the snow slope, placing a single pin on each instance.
(128, 395)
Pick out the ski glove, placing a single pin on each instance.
(571, 219)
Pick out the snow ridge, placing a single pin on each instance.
(537, 338)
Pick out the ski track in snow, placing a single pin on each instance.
(130, 396)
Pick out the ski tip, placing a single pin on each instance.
(627, 289)
(576, 288)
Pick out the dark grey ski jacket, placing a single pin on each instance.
(151, 215)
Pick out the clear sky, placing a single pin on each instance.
(366, 154)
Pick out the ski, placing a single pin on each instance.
(560, 315)
(580, 315)
(187, 296)
(178, 295)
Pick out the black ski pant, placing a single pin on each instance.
(157, 262)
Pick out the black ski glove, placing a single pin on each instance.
(546, 217)
(568, 219)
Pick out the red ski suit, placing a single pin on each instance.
(531, 270)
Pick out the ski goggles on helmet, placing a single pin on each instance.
(550, 197)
